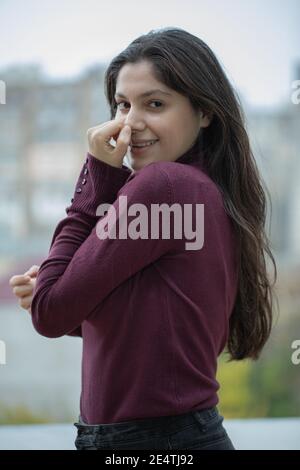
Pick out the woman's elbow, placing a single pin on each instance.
(45, 321)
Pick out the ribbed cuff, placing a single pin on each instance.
(98, 183)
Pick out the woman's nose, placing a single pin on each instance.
(134, 120)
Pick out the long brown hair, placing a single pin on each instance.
(183, 62)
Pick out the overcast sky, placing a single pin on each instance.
(257, 41)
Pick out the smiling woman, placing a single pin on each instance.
(162, 132)
(153, 315)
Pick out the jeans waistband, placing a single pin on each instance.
(155, 423)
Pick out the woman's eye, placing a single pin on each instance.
(153, 101)
(156, 101)
(121, 102)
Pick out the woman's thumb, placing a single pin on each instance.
(125, 135)
(124, 139)
(32, 271)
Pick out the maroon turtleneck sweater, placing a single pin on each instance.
(152, 314)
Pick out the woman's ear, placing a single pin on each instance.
(205, 119)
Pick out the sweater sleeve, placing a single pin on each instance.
(98, 182)
(78, 275)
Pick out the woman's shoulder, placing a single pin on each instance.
(166, 170)
(151, 182)
(170, 181)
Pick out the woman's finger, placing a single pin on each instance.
(25, 302)
(123, 141)
(32, 271)
(105, 131)
(99, 141)
(19, 279)
(22, 291)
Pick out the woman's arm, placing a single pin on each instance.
(98, 182)
(82, 269)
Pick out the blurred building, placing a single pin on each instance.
(276, 143)
(43, 144)
(42, 147)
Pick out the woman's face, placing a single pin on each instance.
(164, 116)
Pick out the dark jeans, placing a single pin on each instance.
(195, 430)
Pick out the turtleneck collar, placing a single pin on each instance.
(193, 155)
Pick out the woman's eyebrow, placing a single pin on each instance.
(147, 93)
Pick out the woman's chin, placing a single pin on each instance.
(136, 162)
(137, 165)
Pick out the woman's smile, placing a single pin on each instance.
(142, 149)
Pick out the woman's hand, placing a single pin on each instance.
(23, 286)
(99, 137)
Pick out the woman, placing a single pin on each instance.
(155, 312)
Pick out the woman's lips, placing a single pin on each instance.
(141, 150)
